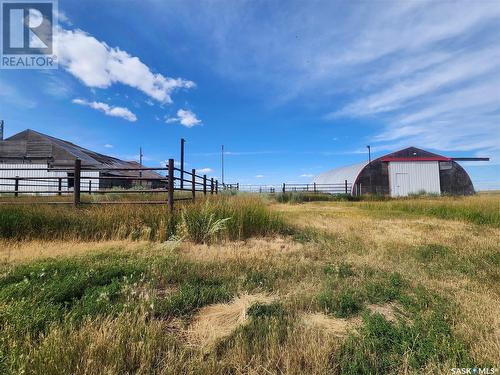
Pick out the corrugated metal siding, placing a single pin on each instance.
(414, 177)
(340, 175)
(38, 184)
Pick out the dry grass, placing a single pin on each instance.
(388, 242)
(337, 327)
(206, 326)
(12, 252)
(218, 321)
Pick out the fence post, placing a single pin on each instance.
(346, 186)
(193, 183)
(59, 186)
(314, 187)
(212, 186)
(170, 193)
(238, 186)
(16, 186)
(90, 187)
(216, 186)
(204, 184)
(76, 182)
(284, 187)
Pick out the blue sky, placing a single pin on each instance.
(290, 88)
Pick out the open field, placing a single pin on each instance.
(403, 286)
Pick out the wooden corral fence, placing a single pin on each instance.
(342, 188)
(79, 180)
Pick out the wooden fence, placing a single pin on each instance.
(79, 180)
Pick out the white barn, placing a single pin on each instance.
(33, 154)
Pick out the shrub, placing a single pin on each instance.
(201, 225)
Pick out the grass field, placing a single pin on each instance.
(245, 285)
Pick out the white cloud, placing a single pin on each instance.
(122, 112)
(107, 145)
(259, 176)
(462, 69)
(98, 65)
(205, 170)
(63, 18)
(388, 67)
(307, 175)
(184, 117)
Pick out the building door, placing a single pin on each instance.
(402, 185)
(414, 177)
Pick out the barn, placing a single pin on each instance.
(47, 155)
(404, 172)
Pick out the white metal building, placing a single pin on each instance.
(33, 154)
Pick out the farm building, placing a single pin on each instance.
(46, 156)
(404, 172)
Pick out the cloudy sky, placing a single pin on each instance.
(290, 88)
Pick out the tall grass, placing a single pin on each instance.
(482, 209)
(224, 217)
(301, 197)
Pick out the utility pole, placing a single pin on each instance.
(182, 162)
(222, 162)
(140, 164)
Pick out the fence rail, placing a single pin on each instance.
(341, 188)
(81, 180)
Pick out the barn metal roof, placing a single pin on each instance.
(32, 145)
(340, 175)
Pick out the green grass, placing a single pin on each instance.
(346, 290)
(482, 210)
(302, 197)
(423, 334)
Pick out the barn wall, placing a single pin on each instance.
(373, 179)
(414, 177)
(7, 181)
(454, 179)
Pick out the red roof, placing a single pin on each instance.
(433, 158)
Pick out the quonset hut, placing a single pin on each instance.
(404, 172)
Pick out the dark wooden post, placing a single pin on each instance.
(238, 186)
(16, 186)
(90, 187)
(76, 182)
(216, 186)
(170, 193)
(193, 183)
(314, 185)
(59, 186)
(212, 186)
(284, 187)
(204, 184)
(346, 186)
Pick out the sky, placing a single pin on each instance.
(292, 89)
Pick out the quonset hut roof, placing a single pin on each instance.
(340, 175)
